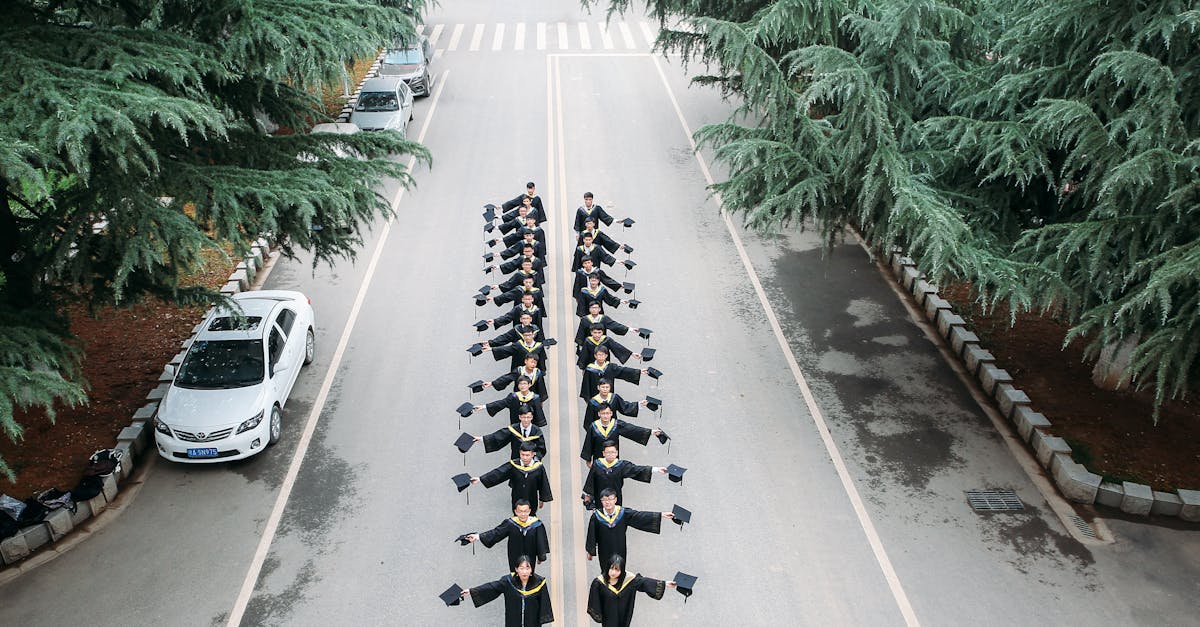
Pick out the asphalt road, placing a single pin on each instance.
(867, 526)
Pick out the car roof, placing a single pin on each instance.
(382, 84)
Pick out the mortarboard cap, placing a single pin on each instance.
(480, 300)
(662, 436)
(490, 207)
(629, 264)
(489, 213)
(485, 290)
(684, 583)
(628, 248)
(628, 287)
(633, 303)
(654, 373)
(489, 227)
(681, 515)
(463, 540)
(627, 222)
(466, 409)
(481, 325)
(526, 328)
(647, 354)
(653, 403)
(465, 442)
(475, 350)
(452, 595)
(476, 386)
(461, 481)
(642, 331)
(550, 342)
(675, 473)
(488, 257)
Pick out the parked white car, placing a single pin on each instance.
(385, 103)
(226, 400)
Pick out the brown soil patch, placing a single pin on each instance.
(1111, 433)
(125, 349)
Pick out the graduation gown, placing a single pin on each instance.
(606, 534)
(527, 482)
(601, 239)
(602, 295)
(511, 437)
(514, 250)
(612, 606)
(513, 401)
(581, 280)
(597, 434)
(510, 206)
(524, 538)
(517, 236)
(602, 476)
(512, 316)
(513, 295)
(611, 327)
(518, 350)
(596, 212)
(596, 253)
(524, 606)
(616, 351)
(593, 373)
(536, 378)
(619, 406)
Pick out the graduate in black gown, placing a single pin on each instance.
(595, 315)
(590, 210)
(530, 371)
(529, 198)
(600, 369)
(515, 402)
(597, 338)
(513, 436)
(605, 396)
(608, 524)
(584, 273)
(526, 596)
(610, 472)
(609, 429)
(612, 596)
(518, 351)
(513, 315)
(595, 293)
(601, 239)
(526, 478)
(526, 536)
(589, 248)
(514, 334)
(528, 285)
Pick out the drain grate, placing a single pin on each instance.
(1084, 528)
(994, 501)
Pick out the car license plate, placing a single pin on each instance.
(202, 452)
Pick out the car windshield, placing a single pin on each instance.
(378, 101)
(222, 364)
(409, 56)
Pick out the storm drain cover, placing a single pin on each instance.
(994, 501)
(1083, 527)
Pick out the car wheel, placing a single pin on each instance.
(310, 347)
(428, 84)
(276, 425)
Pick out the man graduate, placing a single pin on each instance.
(514, 435)
(607, 430)
(602, 368)
(590, 210)
(601, 239)
(526, 478)
(528, 285)
(608, 524)
(610, 473)
(530, 371)
(585, 272)
(514, 334)
(526, 535)
(605, 397)
(589, 249)
(517, 401)
(597, 339)
(529, 306)
(527, 240)
(518, 351)
(596, 316)
(530, 197)
(595, 293)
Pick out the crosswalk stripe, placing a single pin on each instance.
(454, 37)
(605, 36)
(562, 35)
(648, 33)
(585, 40)
(520, 37)
(627, 35)
(498, 39)
(476, 37)
(436, 34)
(541, 35)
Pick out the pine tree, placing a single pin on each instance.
(1047, 152)
(130, 141)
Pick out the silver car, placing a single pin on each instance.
(385, 103)
(411, 63)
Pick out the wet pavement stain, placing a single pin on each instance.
(274, 609)
(1036, 544)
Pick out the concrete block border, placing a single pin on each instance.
(134, 441)
(1054, 454)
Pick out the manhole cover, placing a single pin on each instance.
(994, 501)
(1083, 526)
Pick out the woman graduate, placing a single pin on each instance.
(611, 599)
(526, 596)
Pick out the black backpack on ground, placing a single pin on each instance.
(33, 513)
(8, 526)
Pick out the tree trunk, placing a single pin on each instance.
(18, 287)
(1111, 371)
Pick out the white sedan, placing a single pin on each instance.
(226, 400)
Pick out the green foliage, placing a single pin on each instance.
(1047, 152)
(131, 139)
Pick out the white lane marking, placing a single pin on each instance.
(585, 40)
(454, 37)
(556, 519)
(541, 35)
(498, 39)
(649, 33)
(476, 38)
(627, 35)
(860, 510)
(605, 36)
(314, 415)
(436, 34)
(562, 35)
(519, 44)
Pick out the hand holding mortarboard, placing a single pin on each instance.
(453, 595)
(679, 515)
(627, 222)
(683, 583)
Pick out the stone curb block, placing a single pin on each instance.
(249, 268)
(1166, 504)
(110, 488)
(959, 338)
(132, 436)
(146, 412)
(97, 504)
(934, 305)
(1191, 505)
(1027, 420)
(1010, 398)
(231, 288)
(1138, 499)
(909, 276)
(1076, 483)
(175, 361)
(923, 289)
(975, 356)
(14, 549)
(158, 392)
(989, 375)
(83, 511)
(1047, 446)
(947, 320)
(1110, 494)
(126, 450)
(36, 536)
(240, 277)
(58, 522)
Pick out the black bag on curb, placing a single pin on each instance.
(33, 513)
(56, 499)
(103, 463)
(89, 487)
(8, 526)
